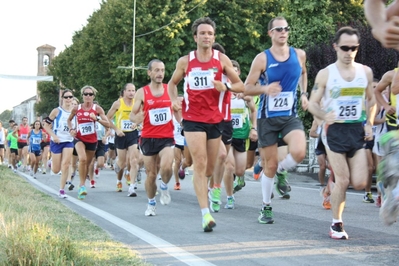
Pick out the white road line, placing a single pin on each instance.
(176, 252)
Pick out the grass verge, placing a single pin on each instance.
(35, 229)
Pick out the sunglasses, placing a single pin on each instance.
(68, 97)
(347, 48)
(88, 94)
(280, 29)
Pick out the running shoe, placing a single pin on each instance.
(44, 172)
(127, 176)
(177, 186)
(282, 185)
(71, 186)
(266, 215)
(326, 198)
(131, 192)
(337, 231)
(119, 187)
(181, 173)
(96, 172)
(368, 198)
(165, 197)
(93, 183)
(238, 184)
(62, 194)
(208, 223)
(257, 170)
(230, 203)
(214, 199)
(150, 210)
(82, 193)
(138, 176)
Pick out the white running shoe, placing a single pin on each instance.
(131, 192)
(150, 210)
(165, 197)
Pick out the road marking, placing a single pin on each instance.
(176, 252)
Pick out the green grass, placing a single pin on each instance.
(35, 229)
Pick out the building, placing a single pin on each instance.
(26, 108)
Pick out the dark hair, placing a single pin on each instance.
(11, 121)
(149, 67)
(65, 91)
(270, 25)
(33, 124)
(125, 86)
(122, 92)
(346, 30)
(199, 21)
(235, 64)
(219, 47)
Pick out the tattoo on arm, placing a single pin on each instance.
(315, 87)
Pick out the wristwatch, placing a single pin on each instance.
(228, 86)
(305, 93)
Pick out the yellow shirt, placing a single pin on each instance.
(122, 120)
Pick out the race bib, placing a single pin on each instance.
(24, 136)
(200, 79)
(36, 140)
(282, 102)
(86, 128)
(126, 125)
(236, 120)
(160, 116)
(348, 109)
(65, 127)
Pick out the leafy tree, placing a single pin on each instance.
(5, 116)
(49, 97)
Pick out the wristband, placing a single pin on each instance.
(253, 128)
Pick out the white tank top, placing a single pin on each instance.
(346, 98)
(60, 126)
(179, 139)
(2, 136)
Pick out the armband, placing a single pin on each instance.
(48, 120)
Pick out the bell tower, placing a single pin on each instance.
(45, 56)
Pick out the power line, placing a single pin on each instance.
(144, 34)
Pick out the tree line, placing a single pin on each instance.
(163, 31)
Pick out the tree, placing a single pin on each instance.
(49, 97)
(5, 116)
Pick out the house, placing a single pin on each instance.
(26, 108)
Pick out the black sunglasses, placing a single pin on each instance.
(280, 29)
(346, 48)
(68, 97)
(88, 94)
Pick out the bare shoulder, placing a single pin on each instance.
(368, 70)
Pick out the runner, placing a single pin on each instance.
(126, 138)
(12, 138)
(202, 70)
(275, 75)
(87, 114)
(35, 138)
(152, 105)
(23, 131)
(61, 143)
(344, 87)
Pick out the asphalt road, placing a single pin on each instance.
(175, 236)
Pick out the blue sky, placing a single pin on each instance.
(20, 35)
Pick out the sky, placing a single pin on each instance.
(28, 24)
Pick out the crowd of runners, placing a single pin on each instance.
(222, 126)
